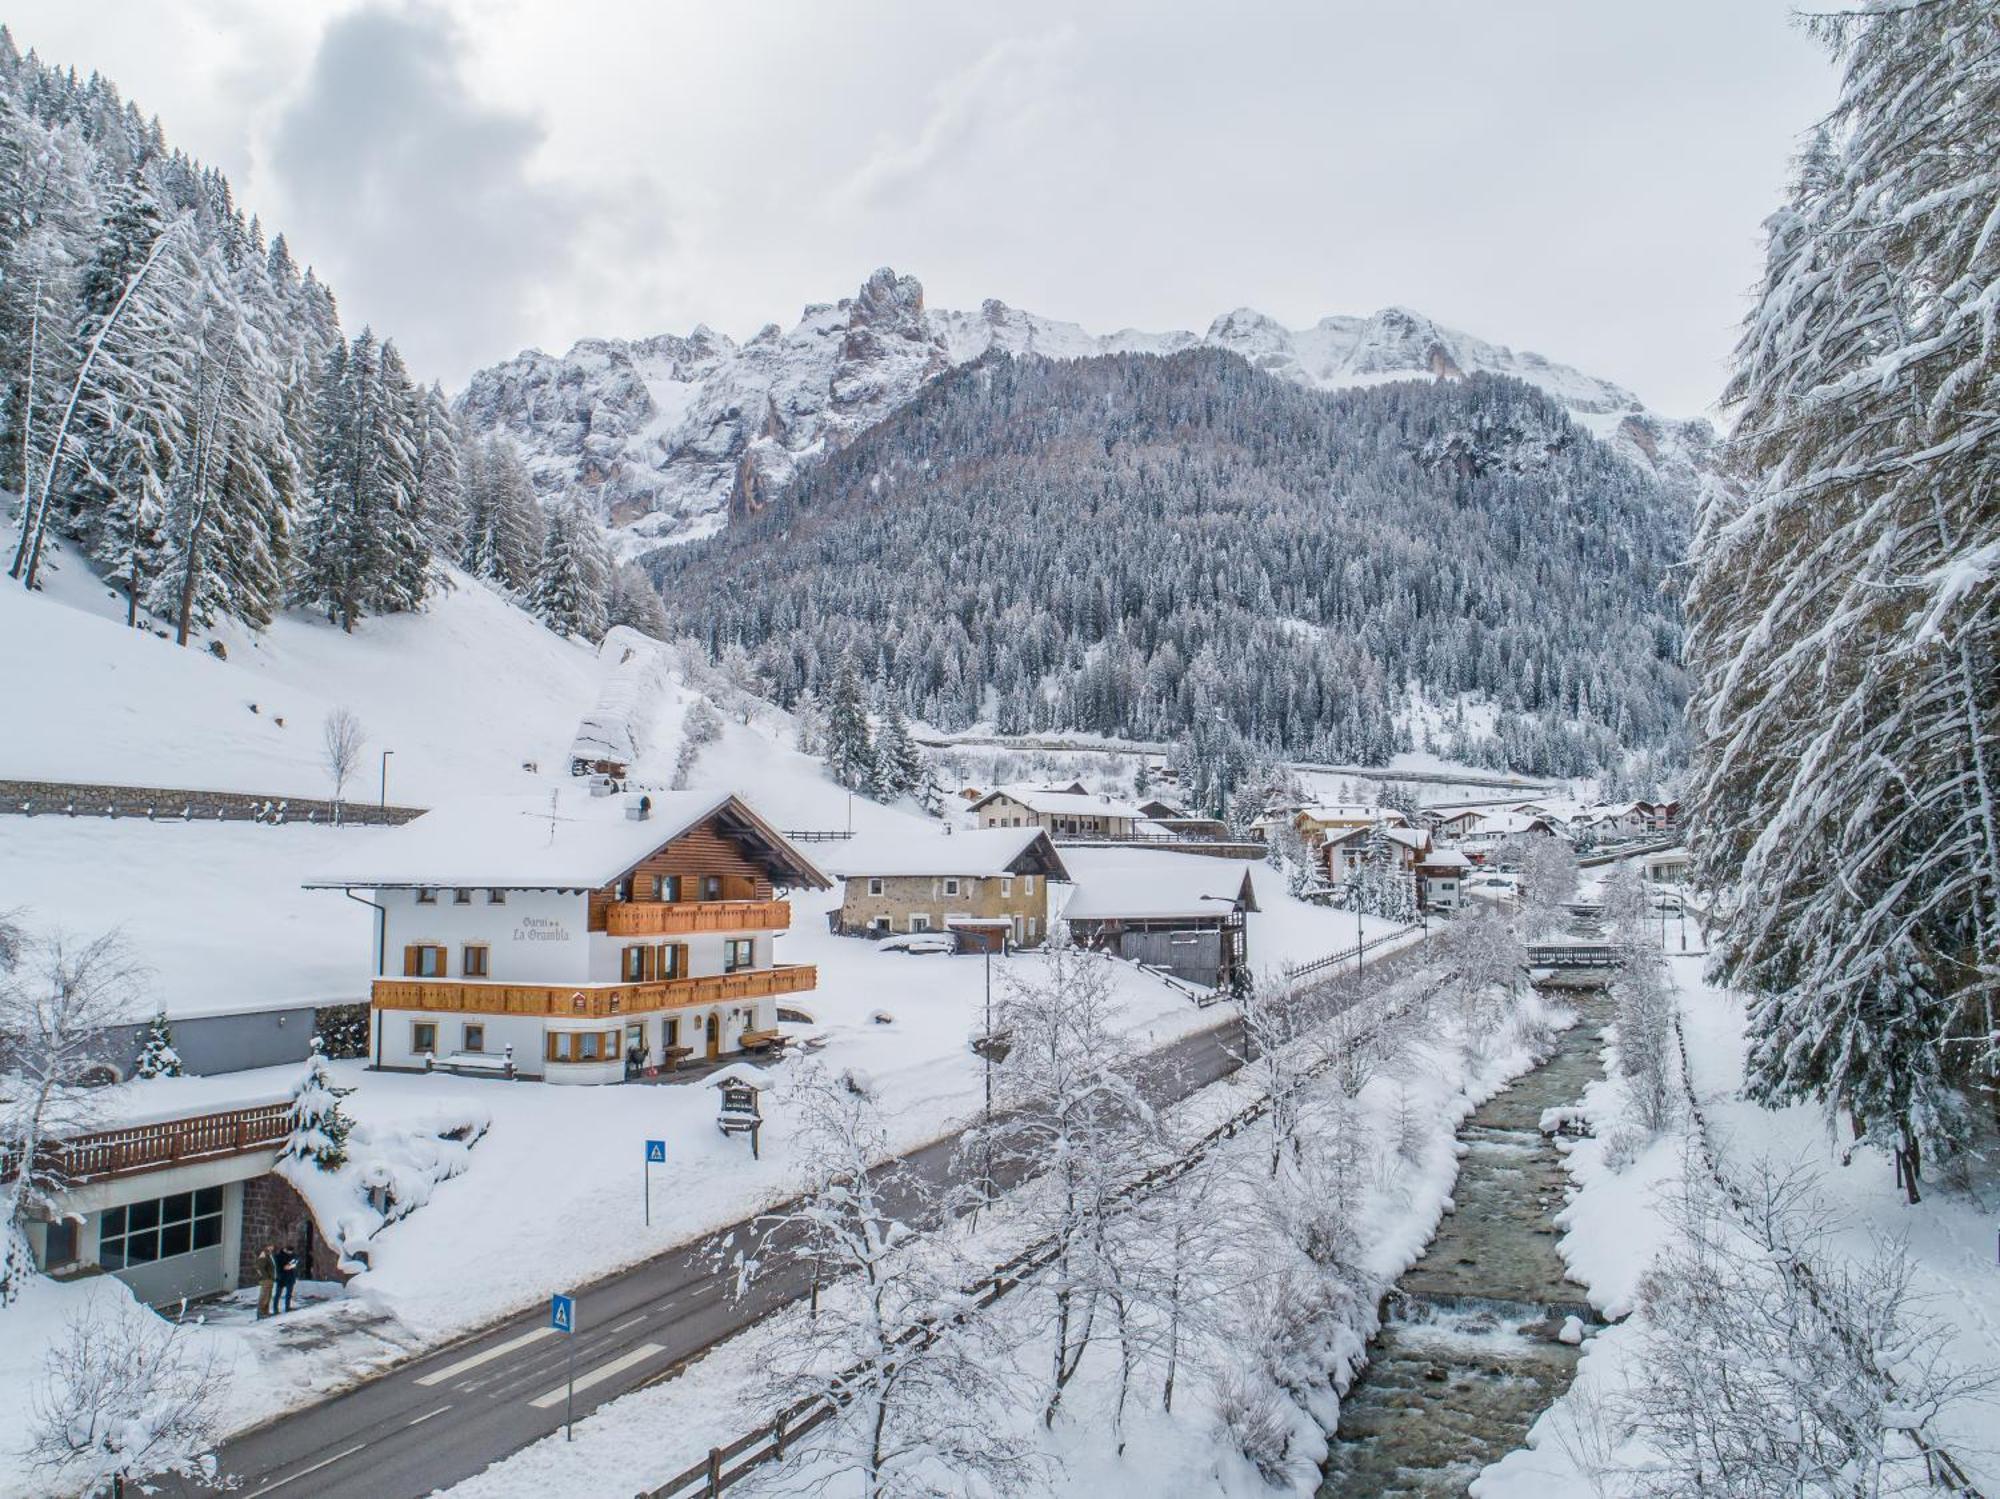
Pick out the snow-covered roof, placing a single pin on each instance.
(1153, 884)
(566, 840)
(1446, 858)
(1505, 823)
(980, 852)
(742, 1075)
(1060, 803)
(1415, 838)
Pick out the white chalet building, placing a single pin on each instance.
(579, 937)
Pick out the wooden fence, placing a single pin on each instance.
(727, 1465)
(138, 1148)
(1334, 960)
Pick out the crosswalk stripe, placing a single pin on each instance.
(439, 1376)
(598, 1375)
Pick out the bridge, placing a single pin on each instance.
(1574, 965)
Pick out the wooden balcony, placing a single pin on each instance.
(591, 1001)
(639, 918)
(171, 1142)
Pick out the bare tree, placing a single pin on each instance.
(128, 1397)
(341, 739)
(892, 1346)
(1548, 878)
(1773, 1367)
(1074, 1120)
(57, 998)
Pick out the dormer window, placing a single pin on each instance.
(427, 897)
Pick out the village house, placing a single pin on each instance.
(578, 938)
(1618, 819)
(1347, 850)
(1321, 821)
(1669, 866)
(1186, 916)
(177, 1201)
(988, 887)
(1441, 874)
(1061, 812)
(1449, 825)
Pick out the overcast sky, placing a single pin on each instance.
(476, 176)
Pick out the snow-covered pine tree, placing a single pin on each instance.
(849, 748)
(319, 1127)
(569, 593)
(157, 1057)
(440, 484)
(635, 603)
(899, 763)
(1844, 629)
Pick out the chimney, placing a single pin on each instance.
(640, 810)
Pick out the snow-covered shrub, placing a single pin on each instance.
(127, 1397)
(388, 1173)
(1256, 1424)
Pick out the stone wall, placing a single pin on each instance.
(179, 804)
(274, 1213)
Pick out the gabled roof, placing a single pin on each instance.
(1444, 858)
(1065, 803)
(1152, 884)
(567, 840)
(981, 852)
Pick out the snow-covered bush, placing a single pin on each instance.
(387, 1174)
(127, 1397)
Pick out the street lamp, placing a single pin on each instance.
(384, 806)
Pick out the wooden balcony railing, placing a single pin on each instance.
(170, 1142)
(638, 918)
(590, 1001)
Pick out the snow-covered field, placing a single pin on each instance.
(465, 694)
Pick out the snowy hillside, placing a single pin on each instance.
(675, 436)
(464, 694)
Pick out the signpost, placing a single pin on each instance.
(656, 1153)
(562, 1317)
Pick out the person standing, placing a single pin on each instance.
(267, 1275)
(288, 1278)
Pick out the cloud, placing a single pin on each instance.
(420, 201)
(1012, 79)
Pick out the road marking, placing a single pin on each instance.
(598, 1375)
(322, 1463)
(439, 1376)
(425, 1417)
(629, 1322)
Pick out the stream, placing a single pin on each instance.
(1468, 1357)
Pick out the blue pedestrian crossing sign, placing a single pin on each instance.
(562, 1313)
(656, 1152)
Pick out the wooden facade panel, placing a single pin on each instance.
(647, 918)
(591, 1001)
(699, 852)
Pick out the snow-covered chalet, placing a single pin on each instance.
(578, 938)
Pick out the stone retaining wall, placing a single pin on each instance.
(179, 804)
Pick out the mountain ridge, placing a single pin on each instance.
(674, 435)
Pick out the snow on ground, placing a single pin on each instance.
(464, 693)
(213, 911)
(638, 1441)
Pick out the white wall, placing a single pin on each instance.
(537, 937)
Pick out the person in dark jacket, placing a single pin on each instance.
(288, 1278)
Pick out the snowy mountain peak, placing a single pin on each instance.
(673, 434)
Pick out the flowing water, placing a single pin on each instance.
(1468, 1354)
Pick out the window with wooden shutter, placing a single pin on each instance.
(472, 961)
(412, 960)
(634, 967)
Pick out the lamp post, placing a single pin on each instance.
(384, 805)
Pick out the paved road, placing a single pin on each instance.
(446, 1416)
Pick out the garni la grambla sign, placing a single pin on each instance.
(541, 929)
